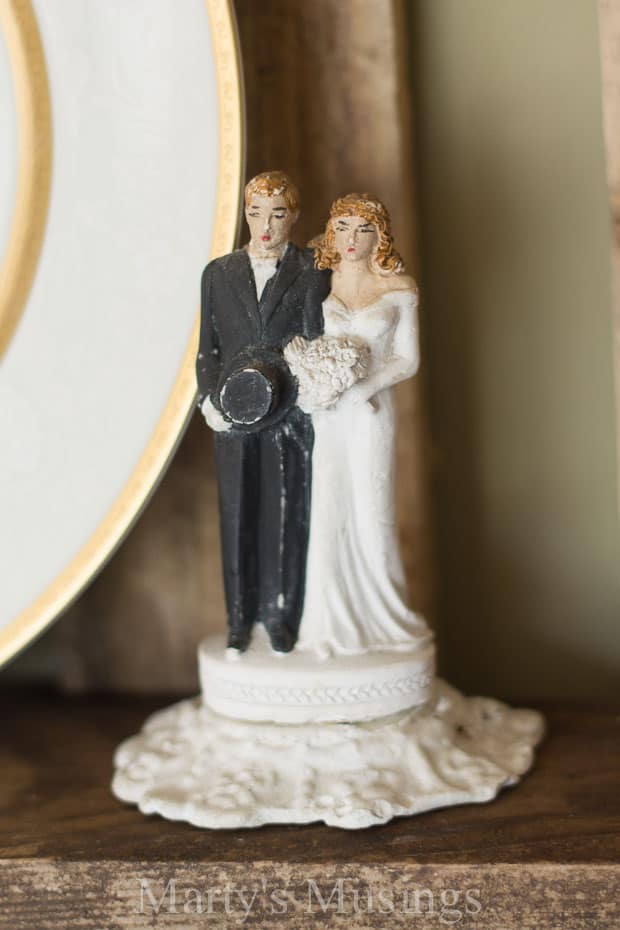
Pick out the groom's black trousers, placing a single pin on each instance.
(264, 483)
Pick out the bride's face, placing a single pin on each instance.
(355, 239)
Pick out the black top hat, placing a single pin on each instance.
(256, 389)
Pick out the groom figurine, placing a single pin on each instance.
(254, 301)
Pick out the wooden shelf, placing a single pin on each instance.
(544, 854)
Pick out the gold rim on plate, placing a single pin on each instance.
(26, 52)
(19, 25)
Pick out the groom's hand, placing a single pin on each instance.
(213, 417)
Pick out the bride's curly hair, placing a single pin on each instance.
(385, 259)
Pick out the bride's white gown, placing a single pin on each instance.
(355, 585)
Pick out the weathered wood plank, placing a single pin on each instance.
(62, 896)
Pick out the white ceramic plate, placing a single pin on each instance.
(120, 174)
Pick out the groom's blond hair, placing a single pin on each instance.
(271, 184)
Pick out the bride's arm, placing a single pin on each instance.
(404, 357)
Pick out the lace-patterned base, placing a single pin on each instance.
(189, 763)
(306, 687)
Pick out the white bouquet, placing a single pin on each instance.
(325, 368)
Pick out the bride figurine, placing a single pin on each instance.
(355, 585)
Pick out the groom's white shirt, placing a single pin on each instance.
(263, 269)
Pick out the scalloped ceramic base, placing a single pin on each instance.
(189, 763)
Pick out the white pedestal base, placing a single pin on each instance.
(300, 687)
(189, 763)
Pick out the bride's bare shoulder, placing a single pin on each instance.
(398, 282)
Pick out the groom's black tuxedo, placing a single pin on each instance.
(264, 476)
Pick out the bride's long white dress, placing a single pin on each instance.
(356, 598)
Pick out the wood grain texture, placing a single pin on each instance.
(609, 17)
(281, 896)
(327, 101)
(543, 855)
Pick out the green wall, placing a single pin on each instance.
(516, 317)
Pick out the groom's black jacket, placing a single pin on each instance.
(233, 319)
(264, 477)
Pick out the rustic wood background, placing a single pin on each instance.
(327, 101)
(609, 16)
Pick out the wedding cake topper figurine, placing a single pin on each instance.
(321, 703)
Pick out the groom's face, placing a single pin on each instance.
(270, 221)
